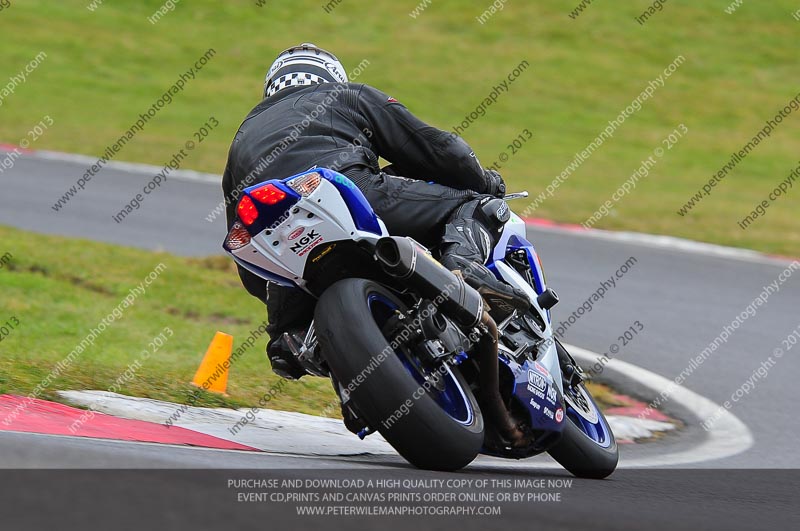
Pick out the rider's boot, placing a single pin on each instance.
(500, 296)
(283, 362)
(470, 236)
(289, 310)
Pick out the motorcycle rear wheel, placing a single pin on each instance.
(440, 428)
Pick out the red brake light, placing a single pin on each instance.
(247, 211)
(268, 194)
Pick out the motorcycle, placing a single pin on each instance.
(413, 350)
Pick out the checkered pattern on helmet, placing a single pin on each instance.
(294, 79)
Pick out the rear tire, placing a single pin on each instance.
(357, 352)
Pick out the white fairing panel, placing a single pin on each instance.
(321, 217)
(514, 227)
(548, 356)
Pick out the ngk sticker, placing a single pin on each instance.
(306, 243)
(296, 232)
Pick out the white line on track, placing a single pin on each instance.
(727, 437)
(322, 438)
(669, 243)
(635, 238)
(129, 167)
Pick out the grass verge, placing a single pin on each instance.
(59, 289)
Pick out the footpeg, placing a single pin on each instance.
(304, 351)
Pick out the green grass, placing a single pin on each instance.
(60, 288)
(105, 67)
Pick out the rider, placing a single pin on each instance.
(435, 190)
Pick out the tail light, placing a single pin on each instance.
(238, 237)
(247, 210)
(268, 194)
(305, 184)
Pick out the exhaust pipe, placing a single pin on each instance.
(491, 401)
(406, 260)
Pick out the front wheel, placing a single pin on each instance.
(430, 416)
(587, 447)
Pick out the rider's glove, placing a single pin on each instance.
(494, 183)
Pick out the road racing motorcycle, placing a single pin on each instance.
(414, 351)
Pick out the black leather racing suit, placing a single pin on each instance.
(346, 127)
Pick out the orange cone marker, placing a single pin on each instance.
(212, 375)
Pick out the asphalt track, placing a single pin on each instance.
(683, 299)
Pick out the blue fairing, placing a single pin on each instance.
(536, 389)
(363, 215)
(517, 242)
